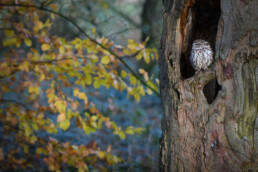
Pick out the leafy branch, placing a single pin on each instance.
(120, 58)
(15, 102)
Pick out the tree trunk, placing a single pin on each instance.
(210, 118)
(151, 22)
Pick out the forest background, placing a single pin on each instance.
(79, 87)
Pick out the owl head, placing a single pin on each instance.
(200, 44)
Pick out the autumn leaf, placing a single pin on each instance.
(28, 42)
(64, 124)
(61, 117)
(54, 7)
(101, 154)
(105, 60)
(133, 80)
(45, 47)
(123, 74)
(9, 33)
(96, 83)
(10, 42)
(137, 97)
(34, 89)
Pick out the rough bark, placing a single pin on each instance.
(216, 128)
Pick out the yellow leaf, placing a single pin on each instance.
(147, 56)
(142, 92)
(45, 47)
(34, 89)
(10, 42)
(24, 66)
(75, 92)
(129, 131)
(94, 118)
(137, 97)
(88, 79)
(84, 97)
(94, 31)
(87, 114)
(121, 134)
(38, 25)
(105, 60)
(41, 151)
(96, 83)
(61, 50)
(133, 80)
(123, 73)
(126, 51)
(138, 130)
(28, 42)
(9, 33)
(26, 148)
(139, 56)
(42, 77)
(61, 117)
(65, 124)
(101, 154)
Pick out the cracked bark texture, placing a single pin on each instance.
(223, 135)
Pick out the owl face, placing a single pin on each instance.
(200, 44)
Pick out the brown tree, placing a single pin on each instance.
(210, 118)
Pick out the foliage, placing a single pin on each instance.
(44, 82)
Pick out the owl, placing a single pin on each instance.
(201, 55)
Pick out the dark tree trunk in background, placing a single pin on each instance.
(210, 118)
(152, 22)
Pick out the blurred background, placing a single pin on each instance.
(117, 20)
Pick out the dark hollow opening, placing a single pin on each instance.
(210, 90)
(205, 18)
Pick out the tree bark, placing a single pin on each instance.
(210, 118)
